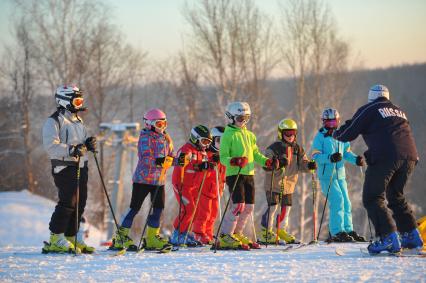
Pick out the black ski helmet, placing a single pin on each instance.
(200, 135)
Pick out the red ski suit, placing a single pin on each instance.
(192, 178)
(208, 206)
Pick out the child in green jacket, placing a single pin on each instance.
(238, 152)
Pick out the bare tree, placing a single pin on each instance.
(317, 61)
(234, 43)
(19, 73)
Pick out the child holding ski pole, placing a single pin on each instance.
(212, 191)
(65, 140)
(155, 150)
(330, 156)
(293, 160)
(238, 152)
(187, 189)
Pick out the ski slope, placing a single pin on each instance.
(24, 220)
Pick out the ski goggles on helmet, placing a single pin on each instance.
(289, 133)
(77, 102)
(242, 118)
(205, 141)
(331, 123)
(160, 124)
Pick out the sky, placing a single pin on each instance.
(382, 33)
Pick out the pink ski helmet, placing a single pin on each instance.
(155, 118)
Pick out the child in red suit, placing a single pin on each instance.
(212, 190)
(186, 184)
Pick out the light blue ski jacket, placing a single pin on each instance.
(323, 146)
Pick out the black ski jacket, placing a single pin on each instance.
(384, 128)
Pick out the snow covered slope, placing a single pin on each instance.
(24, 220)
(23, 262)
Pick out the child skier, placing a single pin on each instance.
(212, 191)
(293, 159)
(65, 140)
(154, 146)
(187, 182)
(238, 152)
(330, 155)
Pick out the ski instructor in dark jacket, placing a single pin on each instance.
(391, 158)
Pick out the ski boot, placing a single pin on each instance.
(154, 241)
(287, 237)
(190, 240)
(174, 239)
(411, 240)
(121, 240)
(202, 238)
(228, 242)
(389, 243)
(246, 241)
(84, 248)
(59, 244)
(341, 237)
(357, 237)
(269, 237)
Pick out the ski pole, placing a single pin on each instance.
(109, 201)
(314, 208)
(369, 220)
(280, 205)
(269, 206)
(326, 199)
(218, 190)
(200, 189)
(77, 197)
(167, 163)
(226, 208)
(253, 227)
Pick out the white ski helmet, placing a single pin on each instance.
(235, 109)
(69, 97)
(330, 114)
(216, 132)
(377, 91)
(330, 118)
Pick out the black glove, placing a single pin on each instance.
(336, 157)
(283, 162)
(205, 166)
(159, 161)
(78, 150)
(312, 165)
(360, 161)
(215, 158)
(90, 144)
(181, 159)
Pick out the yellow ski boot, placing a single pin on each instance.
(154, 241)
(121, 240)
(86, 249)
(59, 244)
(287, 237)
(268, 237)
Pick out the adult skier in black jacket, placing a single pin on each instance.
(391, 158)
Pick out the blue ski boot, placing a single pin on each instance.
(389, 243)
(175, 238)
(411, 240)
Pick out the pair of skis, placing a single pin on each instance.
(403, 253)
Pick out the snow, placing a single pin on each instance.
(24, 225)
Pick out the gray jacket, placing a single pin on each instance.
(60, 135)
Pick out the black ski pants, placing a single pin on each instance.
(63, 218)
(386, 179)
